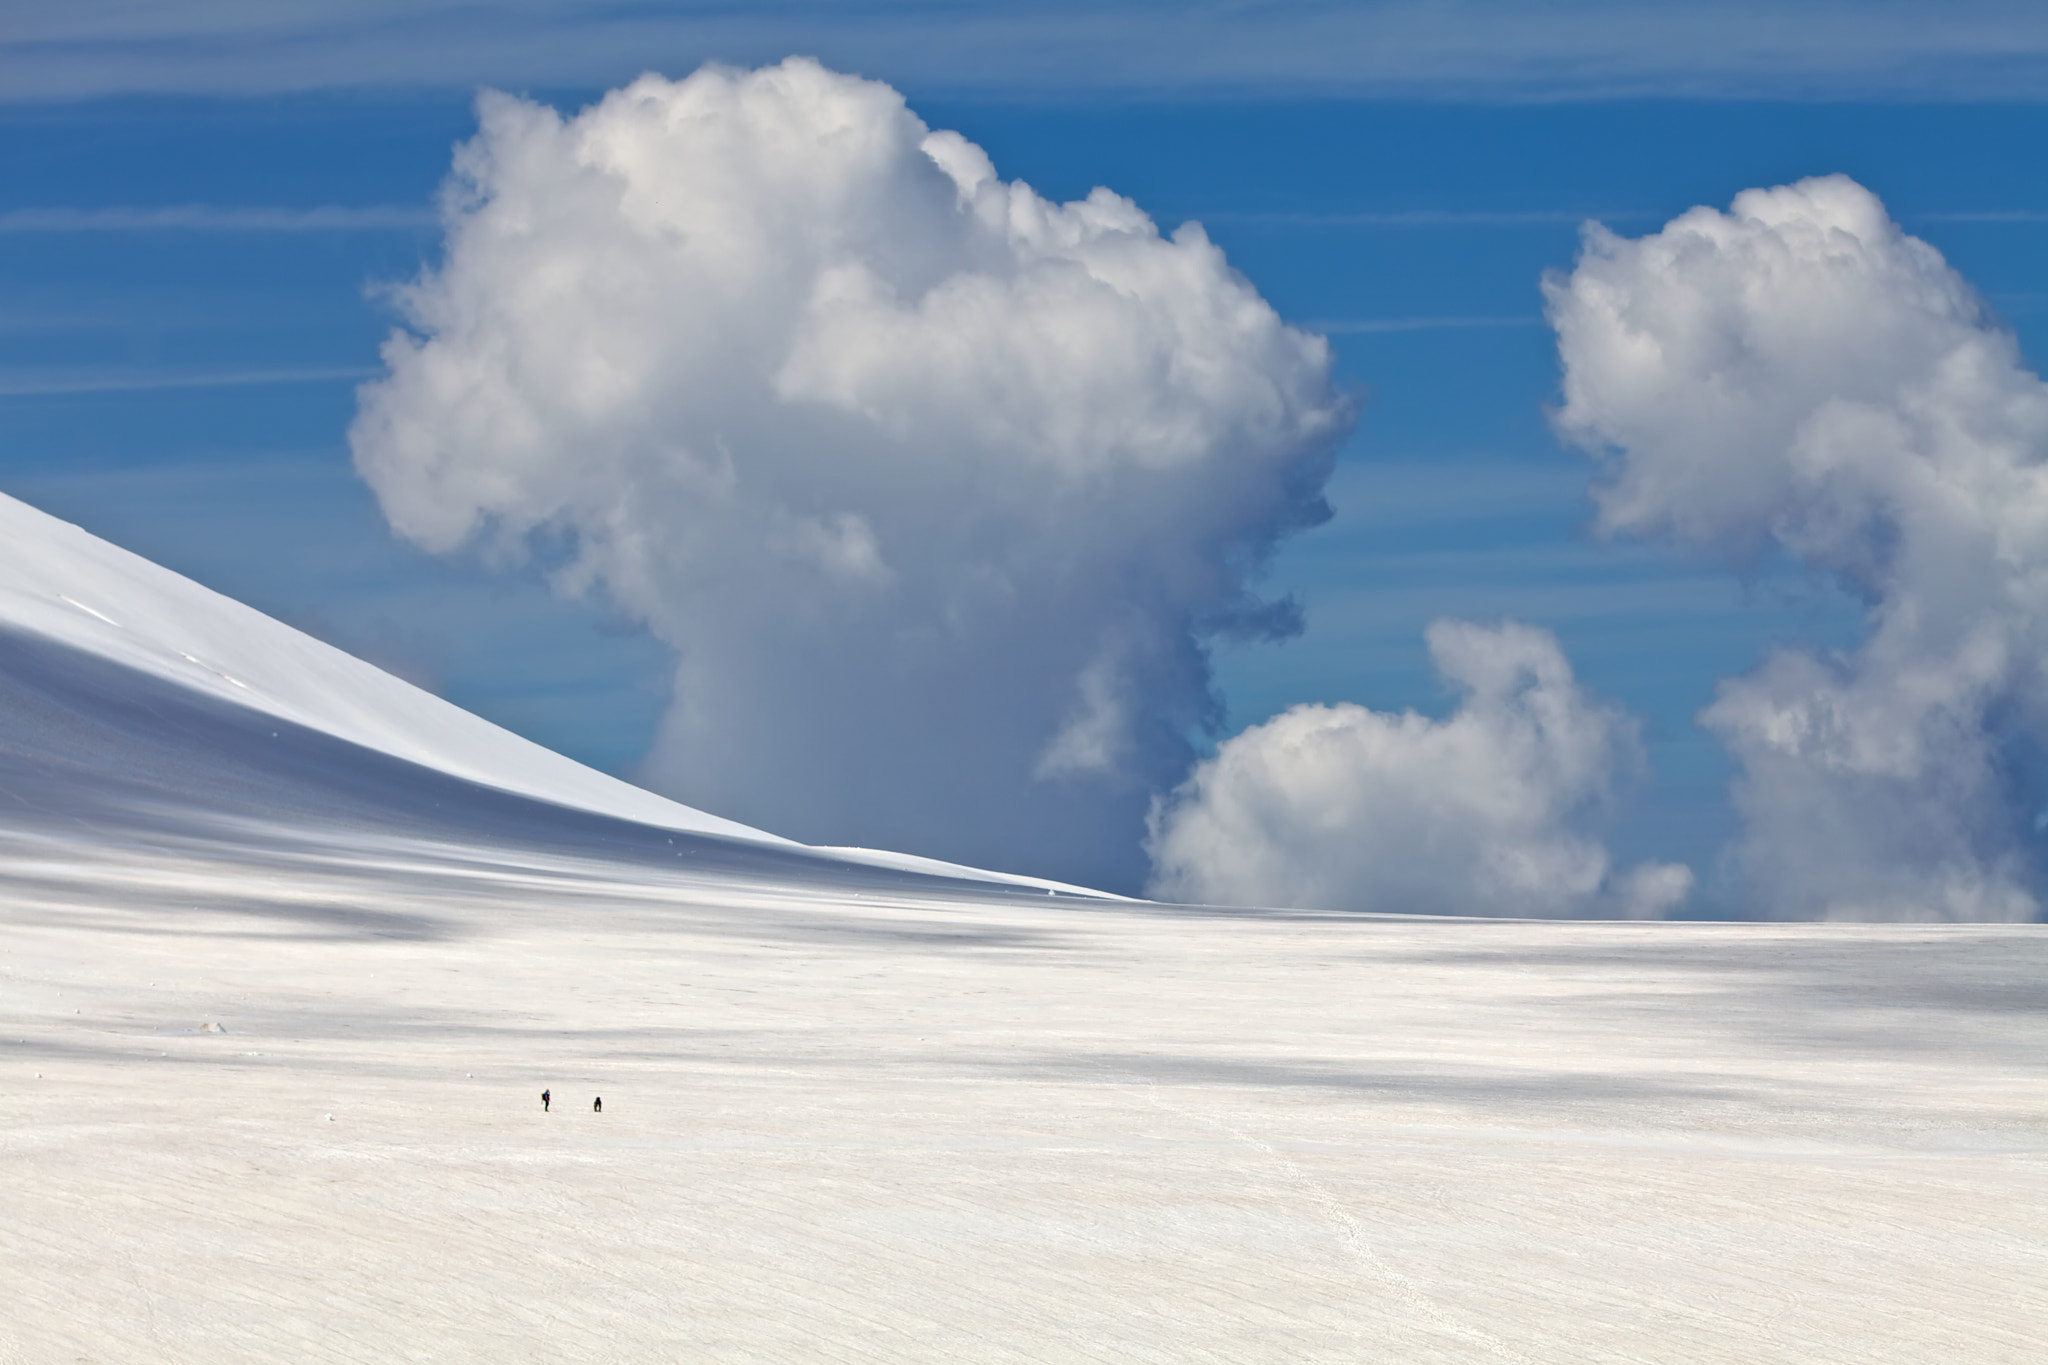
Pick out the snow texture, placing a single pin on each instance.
(277, 1004)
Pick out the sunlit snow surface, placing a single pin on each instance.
(288, 952)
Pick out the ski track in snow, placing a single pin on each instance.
(1348, 1229)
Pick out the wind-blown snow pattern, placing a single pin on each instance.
(289, 951)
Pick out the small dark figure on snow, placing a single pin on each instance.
(597, 1105)
(544, 1098)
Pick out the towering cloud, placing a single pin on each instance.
(1485, 813)
(1799, 375)
(935, 487)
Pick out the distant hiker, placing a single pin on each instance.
(544, 1098)
(597, 1105)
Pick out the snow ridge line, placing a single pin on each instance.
(1349, 1231)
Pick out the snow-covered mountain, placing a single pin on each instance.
(145, 705)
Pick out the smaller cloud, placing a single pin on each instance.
(1486, 812)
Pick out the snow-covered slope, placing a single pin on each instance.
(139, 699)
(63, 584)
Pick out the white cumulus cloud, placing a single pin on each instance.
(1798, 375)
(1487, 812)
(935, 487)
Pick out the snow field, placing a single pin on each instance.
(288, 951)
(933, 1128)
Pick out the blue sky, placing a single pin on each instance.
(197, 210)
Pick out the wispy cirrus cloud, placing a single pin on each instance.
(39, 382)
(1429, 219)
(1364, 326)
(217, 218)
(1424, 218)
(1459, 49)
(1983, 216)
